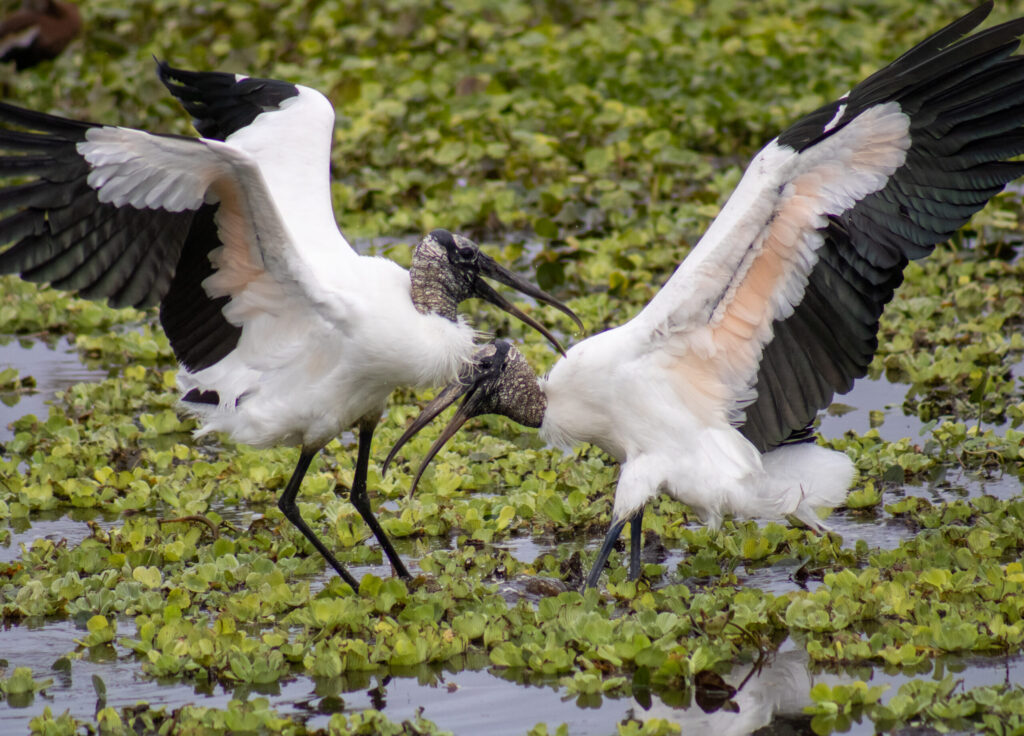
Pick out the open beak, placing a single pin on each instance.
(469, 387)
(493, 270)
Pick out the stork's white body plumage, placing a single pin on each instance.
(284, 334)
(665, 445)
(295, 395)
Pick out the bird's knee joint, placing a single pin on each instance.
(289, 509)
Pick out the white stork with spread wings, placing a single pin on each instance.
(710, 392)
(285, 335)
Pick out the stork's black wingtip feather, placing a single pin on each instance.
(979, 14)
(171, 77)
(165, 71)
(963, 95)
(222, 103)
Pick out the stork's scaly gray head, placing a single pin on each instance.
(448, 269)
(497, 381)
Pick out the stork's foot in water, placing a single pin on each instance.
(635, 547)
(291, 511)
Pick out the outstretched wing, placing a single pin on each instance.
(287, 129)
(62, 233)
(106, 211)
(777, 307)
(146, 232)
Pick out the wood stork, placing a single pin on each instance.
(709, 393)
(284, 334)
(38, 31)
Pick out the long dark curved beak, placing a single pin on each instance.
(493, 270)
(449, 395)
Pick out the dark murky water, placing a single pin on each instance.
(475, 698)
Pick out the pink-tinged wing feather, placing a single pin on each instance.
(137, 218)
(777, 307)
(258, 265)
(715, 314)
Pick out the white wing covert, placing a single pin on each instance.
(132, 168)
(777, 307)
(194, 225)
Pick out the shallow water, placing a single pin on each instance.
(54, 369)
(476, 698)
(464, 702)
(71, 527)
(851, 411)
(471, 701)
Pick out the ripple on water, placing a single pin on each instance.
(958, 483)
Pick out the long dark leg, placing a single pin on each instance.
(362, 501)
(635, 543)
(602, 556)
(289, 508)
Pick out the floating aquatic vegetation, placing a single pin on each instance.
(591, 143)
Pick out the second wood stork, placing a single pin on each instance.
(284, 334)
(710, 392)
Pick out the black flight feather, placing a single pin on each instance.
(965, 100)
